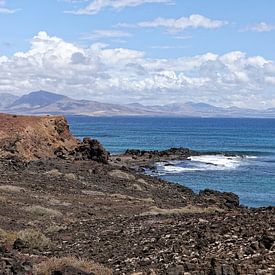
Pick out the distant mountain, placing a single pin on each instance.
(38, 99)
(6, 100)
(43, 102)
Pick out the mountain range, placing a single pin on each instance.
(43, 102)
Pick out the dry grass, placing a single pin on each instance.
(34, 239)
(56, 264)
(53, 173)
(56, 202)
(125, 197)
(121, 175)
(11, 188)
(31, 238)
(8, 237)
(55, 229)
(43, 211)
(190, 209)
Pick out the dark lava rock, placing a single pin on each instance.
(89, 149)
(231, 200)
(170, 153)
(13, 263)
(69, 270)
(19, 244)
(267, 241)
(218, 268)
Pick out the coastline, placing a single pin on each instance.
(128, 222)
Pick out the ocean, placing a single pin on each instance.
(250, 173)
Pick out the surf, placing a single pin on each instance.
(203, 163)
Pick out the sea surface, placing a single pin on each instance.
(250, 174)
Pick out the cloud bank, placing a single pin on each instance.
(98, 5)
(193, 21)
(124, 75)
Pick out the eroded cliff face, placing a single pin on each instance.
(32, 137)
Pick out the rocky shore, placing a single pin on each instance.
(68, 207)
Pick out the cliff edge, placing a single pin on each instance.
(40, 137)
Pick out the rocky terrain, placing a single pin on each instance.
(76, 210)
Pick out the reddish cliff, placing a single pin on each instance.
(32, 137)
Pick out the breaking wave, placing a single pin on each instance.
(202, 163)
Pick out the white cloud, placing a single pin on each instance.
(124, 75)
(4, 9)
(98, 34)
(98, 5)
(260, 27)
(175, 25)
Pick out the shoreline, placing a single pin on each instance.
(77, 201)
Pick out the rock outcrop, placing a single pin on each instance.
(170, 154)
(89, 149)
(32, 137)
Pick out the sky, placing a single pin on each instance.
(144, 51)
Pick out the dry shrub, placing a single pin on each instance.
(53, 173)
(55, 229)
(70, 176)
(53, 201)
(34, 239)
(43, 211)
(126, 197)
(8, 237)
(121, 175)
(55, 264)
(11, 188)
(190, 209)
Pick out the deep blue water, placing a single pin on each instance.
(252, 176)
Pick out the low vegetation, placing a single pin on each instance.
(30, 238)
(11, 188)
(60, 264)
(121, 175)
(34, 239)
(190, 209)
(8, 237)
(43, 211)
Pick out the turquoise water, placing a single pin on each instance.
(251, 175)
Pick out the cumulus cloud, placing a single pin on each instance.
(98, 5)
(124, 75)
(260, 27)
(180, 24)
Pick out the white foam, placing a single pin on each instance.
(177, 169)
(202, 163)
(220, 161)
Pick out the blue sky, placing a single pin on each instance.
(148, 51)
